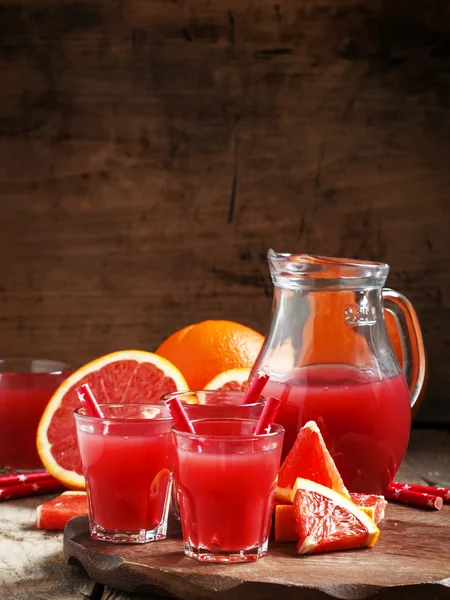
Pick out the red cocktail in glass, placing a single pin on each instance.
(127, 462)
(226, 478)
(26, 387)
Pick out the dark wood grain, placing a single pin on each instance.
(151, 153)
(412, 540)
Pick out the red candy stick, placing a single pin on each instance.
(32, 477)
(268, 415)
(88, 401)
(21, 490)
(179, 415)
(255, 388)
(414, 498)
(442, 492)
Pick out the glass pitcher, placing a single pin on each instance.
(330, 360)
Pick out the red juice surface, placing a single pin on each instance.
(127, 478)
(226, 498)
(364, 420)
(20, 412)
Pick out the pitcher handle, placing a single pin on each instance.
(414, 359)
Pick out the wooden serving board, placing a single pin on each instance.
(409, 562)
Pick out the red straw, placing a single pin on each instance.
(179, 415)
(255, 388)
(268, 415)
(442, 492)
(88, 401)
(32, 477)
(415, 498)
(21, 490)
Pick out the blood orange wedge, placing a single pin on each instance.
(56, 513)
(233, 379)
(376, 504)
(285, 523)
(126, 376)
(309, 458)
(327, 521)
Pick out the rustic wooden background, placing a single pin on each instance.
(152, 151)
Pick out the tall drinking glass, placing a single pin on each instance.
(127, 459)
(213, 404)
(226, 478)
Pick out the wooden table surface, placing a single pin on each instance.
(32, 565)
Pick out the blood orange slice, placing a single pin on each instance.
(309, 458)
(376, 504)
(285, 524)
(233, 379)
(326, 521)
(56, 513)
(126, 376)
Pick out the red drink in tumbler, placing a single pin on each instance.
(26, 387)
(127, 461)
(226, 479)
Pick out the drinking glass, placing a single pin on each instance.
(216, 404)
(213, 404)
(26, 386)
(127, 459)
(226, 478)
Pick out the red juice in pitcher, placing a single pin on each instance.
(365, 420)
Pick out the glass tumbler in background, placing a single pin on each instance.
(216, 404)
(26, 386)
(213, 404)
(226, 478)
(127, 459)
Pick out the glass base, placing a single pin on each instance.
(141, 536)
(203, 554)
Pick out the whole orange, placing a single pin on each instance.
(204, 350)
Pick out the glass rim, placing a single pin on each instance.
(58, 366)
(314, 272)
(121, 420)
(248, 437)
(209, 392)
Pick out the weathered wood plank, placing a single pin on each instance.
(151, 152)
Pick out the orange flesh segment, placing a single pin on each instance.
(371, 503)
(309, 459)
(55, 513)
(327, 521)
(285, 523)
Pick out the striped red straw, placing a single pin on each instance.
(88, 401)
(255, 388)
(442, 492)
(268, 415)
(21, 490)
(406, 496)
(179, 415)
(31, 477)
